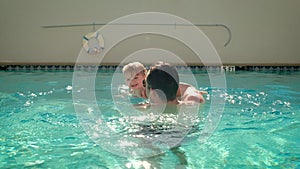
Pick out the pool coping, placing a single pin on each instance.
(180, 67)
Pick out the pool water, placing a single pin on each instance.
(259, 127)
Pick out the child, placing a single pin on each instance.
(135, 74)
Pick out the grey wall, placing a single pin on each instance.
(264, 32)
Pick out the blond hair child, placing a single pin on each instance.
(135, 74)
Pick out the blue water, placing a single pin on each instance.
(259, 128)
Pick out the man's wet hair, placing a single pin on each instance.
(164, 77)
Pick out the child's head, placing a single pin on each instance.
(134, 74)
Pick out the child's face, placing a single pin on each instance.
(137, 81)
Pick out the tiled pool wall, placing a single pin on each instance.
(180, 68)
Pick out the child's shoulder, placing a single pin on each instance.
(138, 93)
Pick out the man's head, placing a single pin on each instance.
(164, 77)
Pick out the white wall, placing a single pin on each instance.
(264, 32)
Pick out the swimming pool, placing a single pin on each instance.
(259, 128)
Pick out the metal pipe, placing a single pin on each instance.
(145, 24)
